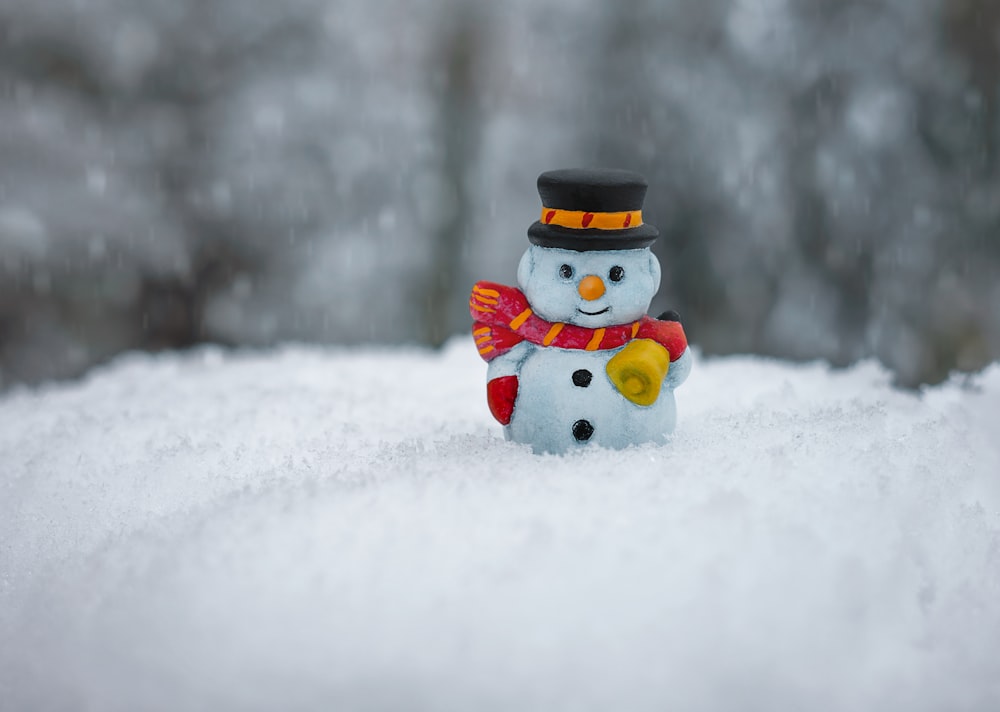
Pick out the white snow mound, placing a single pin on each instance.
(320, 529)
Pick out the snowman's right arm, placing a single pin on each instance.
(502, 381)
(509, 364)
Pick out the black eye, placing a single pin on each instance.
(565, 271)
(617, 274)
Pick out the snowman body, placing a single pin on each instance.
(566, 401)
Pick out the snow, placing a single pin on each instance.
(316, 528)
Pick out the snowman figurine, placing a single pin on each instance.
(573, 358)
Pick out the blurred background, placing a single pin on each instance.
(825, 174)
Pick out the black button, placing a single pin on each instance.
(582, 378)
(582, 430)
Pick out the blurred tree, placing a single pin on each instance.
(106, 130)
(973, 28)
(457, 88)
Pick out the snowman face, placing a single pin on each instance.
(592, 289)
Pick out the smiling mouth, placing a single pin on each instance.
(593, 313)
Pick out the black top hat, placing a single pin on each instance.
(592, 210)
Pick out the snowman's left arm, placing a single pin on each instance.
(668, 332)
(678, 371)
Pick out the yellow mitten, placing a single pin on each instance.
(638, 370)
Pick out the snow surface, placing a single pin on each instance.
(341, 529)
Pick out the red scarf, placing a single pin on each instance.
(503, 319)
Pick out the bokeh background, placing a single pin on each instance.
(825, 173)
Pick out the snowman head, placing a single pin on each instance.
(589, 263)
(594, 288)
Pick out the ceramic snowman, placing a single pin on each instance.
(573, 359)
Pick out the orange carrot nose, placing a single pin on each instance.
(591, 287)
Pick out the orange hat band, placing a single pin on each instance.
(579, 220)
